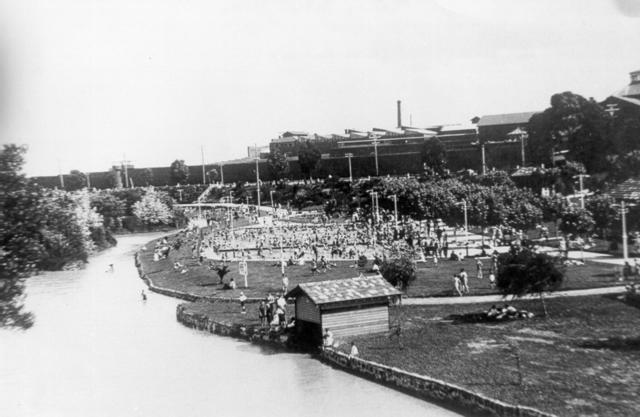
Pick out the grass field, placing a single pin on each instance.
(543, 363)
(265, 276)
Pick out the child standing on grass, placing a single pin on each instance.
(243, 300)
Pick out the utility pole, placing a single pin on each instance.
(202, 155)
(88, 174)
(484, 161)
(349, 155)
(221, 174)
(60, 176)
(375, 151)
(625, 246)
(258, 182)
(124, 163)
(522, 138)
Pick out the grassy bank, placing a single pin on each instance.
(575, 363)
(265, 276)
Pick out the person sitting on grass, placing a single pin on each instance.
(493, 312)
(230, 286)
(314, 267)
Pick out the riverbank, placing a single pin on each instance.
(530, 362)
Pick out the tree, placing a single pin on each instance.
(308, 158)
(523, 271)
(213, 175)
(75, 180)
(572, 123)
(603, 212)
(278, 164)
(179, 171)
(20, 248)
(222, 271)
(434, 155)
(400, 267)
(146, 177)
(110, 207)
(151, 209)
(576, 221)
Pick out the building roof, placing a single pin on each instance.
(457, 128)
(630, 90)
(628, 100)
(506, 119)
(627, 190)
(288, 139)
(295, 133)
(341, 290)
(425, 132)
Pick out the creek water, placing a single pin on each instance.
(97, 349)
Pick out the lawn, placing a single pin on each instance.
(265, 276)
(550, 364)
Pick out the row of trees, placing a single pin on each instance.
(47, 229)
(603, 141)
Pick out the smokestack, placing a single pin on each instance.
(399, 114)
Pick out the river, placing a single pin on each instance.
(97, 349)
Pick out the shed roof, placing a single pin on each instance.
(350, 289)
(506, 119)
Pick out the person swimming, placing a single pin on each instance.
(144, 295)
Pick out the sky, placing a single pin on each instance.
(86, 83)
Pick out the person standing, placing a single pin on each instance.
(243, 300)
(285, 284)
(262, 313)
(464, 281)
(479, 269)
(354, 351)
(457, 285)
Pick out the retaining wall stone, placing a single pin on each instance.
(428, 388)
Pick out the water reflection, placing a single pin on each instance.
(97, 350)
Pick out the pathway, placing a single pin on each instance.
(500, 299)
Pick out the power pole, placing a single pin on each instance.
(349, 155)
(484, 161)
(258, 182)
(124, 162)
(202, 154)
(375, 151)
(221, 174)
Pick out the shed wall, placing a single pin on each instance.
(306, 310)
(356, 321)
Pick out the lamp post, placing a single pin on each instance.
(349, 155)
(466, 224)
(395, 208)
(271, 196)
(623, 215)
(581, 177)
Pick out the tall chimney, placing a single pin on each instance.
(399, 114)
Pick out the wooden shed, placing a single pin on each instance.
(348, 307)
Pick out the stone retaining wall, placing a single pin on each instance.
(428, 388)
(254, 335)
